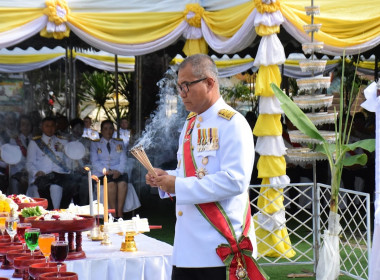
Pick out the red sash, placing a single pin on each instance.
(237, 254)
(22, 148)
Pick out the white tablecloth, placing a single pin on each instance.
(152, 261)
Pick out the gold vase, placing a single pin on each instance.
(129, 245)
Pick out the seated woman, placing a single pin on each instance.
(110, 154)
(19, 179)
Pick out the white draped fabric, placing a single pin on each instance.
(239, 41)
(302, 37)
(270, 145)
(270, 52)
(210, 29)
(152, 261)
(105, 65)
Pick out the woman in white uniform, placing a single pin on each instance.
(109, 153)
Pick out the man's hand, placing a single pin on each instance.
(40, 173)
(164, 181)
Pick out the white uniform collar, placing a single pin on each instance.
(46, 138)
(213, 110)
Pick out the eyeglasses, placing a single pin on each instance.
(184, 87)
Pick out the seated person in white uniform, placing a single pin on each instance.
(124, 132)
(78, 173)
(110, 154)
(47, 165)
(19, 179)
(88, 131)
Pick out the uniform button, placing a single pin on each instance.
(198, 125)
(180, 213)
(200, 118)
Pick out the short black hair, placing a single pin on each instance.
(105, 122)
(49, 119)
(25, 117)
(76, 121)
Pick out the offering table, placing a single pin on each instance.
(152, 261)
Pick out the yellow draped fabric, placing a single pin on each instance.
(124, 28)
(271, 166)
(263, 30)
(265, 76)
(268, 125)
(194, 46)
(271, 201)
(344, 23)
(16, 17)
(227, 22)
(28, 58)
(279, 239)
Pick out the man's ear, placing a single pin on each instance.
(210, 83)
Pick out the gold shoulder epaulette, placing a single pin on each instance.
(226, 114)
(37, 137)
(95, 140)
(118, 139)
(61, 137)
(191, 115)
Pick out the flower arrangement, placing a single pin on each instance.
(7, 204)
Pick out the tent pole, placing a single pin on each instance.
(117, 96)
(376, 68)
(74, 92)
(67, 90)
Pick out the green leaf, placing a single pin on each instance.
(322, 148)
(356, 159)
(295, 115)
(367, 144)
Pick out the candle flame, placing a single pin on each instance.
(94, 177)
(86, 168)
(104, 171)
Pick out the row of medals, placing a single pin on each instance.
(201, 171)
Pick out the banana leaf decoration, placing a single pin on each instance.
(336, 153)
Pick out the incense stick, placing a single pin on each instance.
(139, 153)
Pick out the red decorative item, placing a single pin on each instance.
(11, 255)
(60, 276)
(22, 263)
(4, 249)
(36, 269)
(38, 202)
(66, 226)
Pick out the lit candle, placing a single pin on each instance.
(90, 197)
(105, 196)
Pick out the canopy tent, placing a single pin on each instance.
(17, 60)
(139, 27)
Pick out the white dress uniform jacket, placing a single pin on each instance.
(37, 160)
(101, 158)
(229, 170)
(23, 141)
(124, 134)
(90, 133)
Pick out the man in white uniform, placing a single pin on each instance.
(47, 164)
(124, 132)
(88, 131)
(215, 161)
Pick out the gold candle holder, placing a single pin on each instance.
(96, 234)
(105, 241)
(129, 245)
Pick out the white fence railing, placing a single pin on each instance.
(306, 211)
